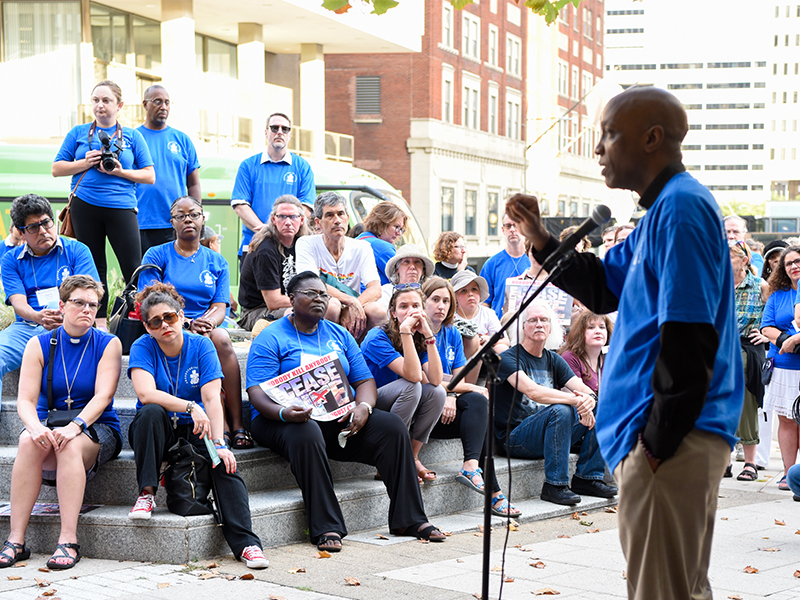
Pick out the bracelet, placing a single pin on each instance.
(280, 414)
(190, 407)
(430, 341)
(369, 406)
(406, 333)
(221, 447)
(80, 423)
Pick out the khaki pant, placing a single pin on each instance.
(666, 518)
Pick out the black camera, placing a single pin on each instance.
(107, 155)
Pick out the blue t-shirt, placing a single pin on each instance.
(198, 364)
(379, 354)
(4, 249)
(259, 184)
(279, 347)
(658, 278)
(383, 251)
(174, 159)
(98, 188)
(82, 385)
(496, 270)
(779, 312)
(451, 349)
(24, 273)
(201, 279)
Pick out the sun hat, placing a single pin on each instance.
(463, 278)
(409, 251)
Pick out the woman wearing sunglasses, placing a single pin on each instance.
(384, 225)
(372, 437)
(177, 378)
(66, 456)
(404, 361)
(201, 276)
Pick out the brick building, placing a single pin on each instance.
(447, 125)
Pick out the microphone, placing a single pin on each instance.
(600, 215)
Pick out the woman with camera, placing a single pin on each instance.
(65, 454)
(106, 161)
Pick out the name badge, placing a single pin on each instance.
(307, 358)
(48, 298)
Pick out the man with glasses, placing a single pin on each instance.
(176, 165)
(545, 419)
(511, 261)
(268, 175)
(32, 274)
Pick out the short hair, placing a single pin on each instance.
(28, 205)
(584, 242)
(192, 198)
(737, 218)
(279, 114)
(115, 89)
(382, 215)
(754, 245)
(438, 283)
(627, 226)
(159, 293)
(443, 247)
(153, 88)
(610, 229)
(326, 199)
(556, 337)
(79, 282)
(295, 281)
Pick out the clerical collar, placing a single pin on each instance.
(655, 187)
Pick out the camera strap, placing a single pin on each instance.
(94, 127)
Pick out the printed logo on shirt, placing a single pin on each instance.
(192, 376)
(341, 277)
(207, 278)
(64, 273)
(174, 147)
(450, 354)
(334, 346)
(289, 178)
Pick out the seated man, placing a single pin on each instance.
(545, 421)
(32, 274)
(344, 264)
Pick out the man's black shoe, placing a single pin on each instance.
(593, 487)
(559, 494)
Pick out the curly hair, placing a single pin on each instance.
(779, 279)
(576, 338)
(382, 216)
(392, 327)
(27, 206)
(437, 283)
(443, 247)
(159, 293)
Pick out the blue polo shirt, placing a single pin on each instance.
(451, 349)
(259, 183)
(201, 279)
(278, 349)
(379, 354)
(198, 364)
(98, 188)
(174, 159)
(24, 273)
(383, 251)
(674, 267)
(496, 270)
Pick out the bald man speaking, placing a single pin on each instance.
(672, 388)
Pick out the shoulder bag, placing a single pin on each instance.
(188, 482)
(127, 329)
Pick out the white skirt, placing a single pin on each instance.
(781, 391)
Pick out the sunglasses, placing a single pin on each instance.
(281, 128)
(33, 228)
(170, 318)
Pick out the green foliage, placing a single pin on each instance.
(115, 286)
(737, 207)
(6, 312)
(546, 8)
(342, 6)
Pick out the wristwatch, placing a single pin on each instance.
(220, 443)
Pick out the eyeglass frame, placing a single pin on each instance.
(164, 318)
(542, 320)
(181, 217)
(284, 129)
(38, 225)
(159, 102)
(290, 217)
(80, 304)
(313, 294)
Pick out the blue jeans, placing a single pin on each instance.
(12, 345)
(793, 479)
(549, 433)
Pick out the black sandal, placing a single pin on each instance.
(20, 553)
(421, 532)
(329, 537)
(242, 440)
(62, 548)
(749, 473)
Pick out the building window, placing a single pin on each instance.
(470, 212)
(575, 92)
(491, 209)
(514, 55)
(587, 84)
(447, 96)
(494, 106)
(448, 208)
(368, 95)
(513, 112)
(563, 79)
(447, 24)
(216, 56)
(471, 46)
(573, 208)
(561, 208)
(493, 49)
(471, 101)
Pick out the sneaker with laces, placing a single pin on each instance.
(254, 558)
(143, 509)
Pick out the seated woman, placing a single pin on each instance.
(383, 226)
(475, 321)
(404, 361)
(450, 252)
(409, 265)
(466, 412)
(67, 456)
(376, 438)
(201, 277)
(583, 349)
(176, 376)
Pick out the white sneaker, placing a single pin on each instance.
(254, 558)
(143, 509)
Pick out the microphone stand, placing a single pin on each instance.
(491, 360)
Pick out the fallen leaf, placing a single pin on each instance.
(447, 533)
(44, 569)
(43, 598)
(770, 549)
(546, 592)
(459, 560)
(212, 565)
(274, 597)
(585, 514)
(41, 582)
(593, 530)
(476, 595)
(734, 597)
(797, 574)
(751, 570)
(322, 554)
(509, 580)
(479, 534)
(513, 527)
(538, 565)
(297, 570)
(779, 522)
(624, 574)
(14, 577)
(480, 528)
(526, 549)
(163, 585)
(517, 546)
(19, 564)
(207, 576)
(497, 568)
(49, 593)
(249, 576)
(585, 523)
(423, 541)
(563, 535)
(575, 516)
(724, 519)
(612, 510)
(766, 537)
(381, 537)
(352, 581)
(229, 577)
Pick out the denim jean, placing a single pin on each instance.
(549, 433)
(12, 345)
(793, 479)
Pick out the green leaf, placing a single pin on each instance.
(459, 4)
(334, 5)
(381, 6)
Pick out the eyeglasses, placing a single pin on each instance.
(81, 304)
(407, 286)
(33, 228)
(400, 230)
(459, 247)
(791, 263)
(313, 294)
(542, 320)
(290, 217)
(281, 128)
(159, 102)
(508, 226)
(180, 217)
(170, 318)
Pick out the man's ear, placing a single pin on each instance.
(654, 139)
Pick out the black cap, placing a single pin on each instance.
(773, 246)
